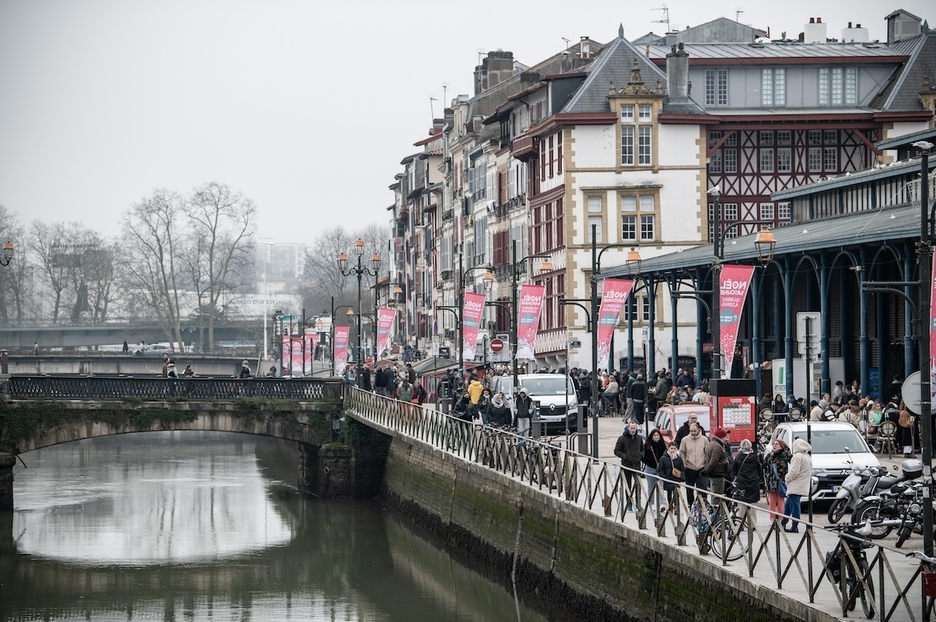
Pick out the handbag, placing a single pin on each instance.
(781, 488)
(676, 473)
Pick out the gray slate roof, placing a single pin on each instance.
(852, 230)
(613, 66)
(903, 93)
(781, 51)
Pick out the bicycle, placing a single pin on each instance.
(849, 571)
(928, 573)
(717, 531)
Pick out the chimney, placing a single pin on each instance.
(677, 74)
(494, 69)
(815, 31)
(855, 34)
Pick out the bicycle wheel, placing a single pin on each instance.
(871, 511)
(734, 541)
(865, 588)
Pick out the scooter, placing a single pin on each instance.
(861, 483)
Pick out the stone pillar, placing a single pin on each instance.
(326, 472)
(7, 461)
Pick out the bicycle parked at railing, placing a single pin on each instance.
(847, 567)
(717, 528)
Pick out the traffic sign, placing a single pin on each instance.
(910, 392)
(497, 345)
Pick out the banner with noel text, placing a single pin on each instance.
(340, 352)
(735, 281)
(531, 303)
(471, 322)
(297, 369)
(385, 317)
(613, 296)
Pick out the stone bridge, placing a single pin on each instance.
(39, 411)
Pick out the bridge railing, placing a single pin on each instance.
(749, 544)
(117, 388)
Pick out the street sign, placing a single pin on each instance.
(497, 345)
(812, 338)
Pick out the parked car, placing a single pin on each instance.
(553, 394)
(155, 349)
(669, 418)
(833, 443)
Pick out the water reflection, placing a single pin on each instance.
(208, 526)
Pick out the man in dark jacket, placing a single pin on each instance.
(716, 461)
(637, 394)
(523, 411)
(366, 378)
(380, 381)
(683, 430)
(629, 448)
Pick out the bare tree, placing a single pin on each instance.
(219, 247)
(44, 241)
(151, 228)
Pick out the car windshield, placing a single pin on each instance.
(547, 386)
(835, 441)
(662, 420)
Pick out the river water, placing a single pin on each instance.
(209, 526)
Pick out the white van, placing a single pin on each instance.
(830, 439)
(553, 394)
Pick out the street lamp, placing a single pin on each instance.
(764, 244)
(515, 265)
(633, 264)
(359, 271)
(922, 312)
(488, 280)
(6, 255)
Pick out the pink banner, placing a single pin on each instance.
(471, 322)
(531, 303)
(308, 354)
(286, 357)
(296, 368)
(614, 295)
(735, 280)
(932, 369)
(385, 317)
(340, 353)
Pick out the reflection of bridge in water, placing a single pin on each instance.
(338, 571)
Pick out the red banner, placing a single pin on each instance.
(614, 295)
(531, 303)
(932, 369)
(385, 317)
(735, 280)
(340, 353)
(297, 368)
(286, 357)
(471, 322)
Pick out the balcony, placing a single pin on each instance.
(524, 148)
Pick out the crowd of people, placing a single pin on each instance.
(706, 463)
(846, 403)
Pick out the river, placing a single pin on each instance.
(209, 526)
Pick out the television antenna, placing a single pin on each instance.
(738, 13)
(665, 19)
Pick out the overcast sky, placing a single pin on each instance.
(305, 107)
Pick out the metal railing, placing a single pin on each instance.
(120, 388)
(736, 536)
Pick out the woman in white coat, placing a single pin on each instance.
(798, 479)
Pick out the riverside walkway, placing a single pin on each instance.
(780, 565)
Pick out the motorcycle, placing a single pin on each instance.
(861, 483)
(912, 519)
(885, 510)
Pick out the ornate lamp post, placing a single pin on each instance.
(359, 271)
(515, 266)
(6, 254)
